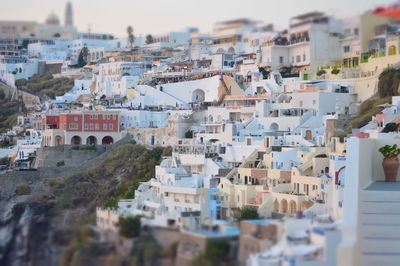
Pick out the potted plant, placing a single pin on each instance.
(390, 162)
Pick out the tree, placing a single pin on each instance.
(57, 35)
(149, 39)
(85, 52)
(247, 213)
(390, 127)
(111, 203)
(82, 58)
(129, 226)
(25, 43)
(131, 37)
(214, 254)
(189, 134)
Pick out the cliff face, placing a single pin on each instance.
(25, 218)
(36, 227)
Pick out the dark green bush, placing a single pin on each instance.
(321, 72)
(335, 71)
(129, 226)
(23, 189)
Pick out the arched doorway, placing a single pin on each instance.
(198, 96)
(293, 207)
(308, 135)
(76, 140)
(58, 140)
(284, 206)
(91, 140)
(107, 140)
(276, 206)
(305, 205)
(274, 127)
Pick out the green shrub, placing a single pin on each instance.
(60, 163)
(335, 71)
(216, 253)
(5, 161)
(23, 189)
(130, 226)
(189, 134)
(389, 151)
(321, 72)
(111, 203)
(390, 127)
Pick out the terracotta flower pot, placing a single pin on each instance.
(390, 168)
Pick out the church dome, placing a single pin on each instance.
(52, 19)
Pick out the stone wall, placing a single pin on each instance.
(30, 100)
(50, 156)
(44, 69)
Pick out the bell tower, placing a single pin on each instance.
(69, 15)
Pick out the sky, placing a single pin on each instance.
(162, 16)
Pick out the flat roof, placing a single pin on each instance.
(309, 15)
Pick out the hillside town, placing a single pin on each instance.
(279, 147)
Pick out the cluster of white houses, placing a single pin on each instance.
(255, 120)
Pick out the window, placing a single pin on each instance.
(281, 60)
(91, 117)
(75, 118)
(91, 126)
(292, 59)
(304, 57)
(114, 117)
(298, 59)
(96, 126)
(110, 126)
(86, 126)
(105, 126)
(356, 31)
(96, 117)
(107, 117)
(73, 125)
(346, 49)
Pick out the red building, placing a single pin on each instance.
(87, 127)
